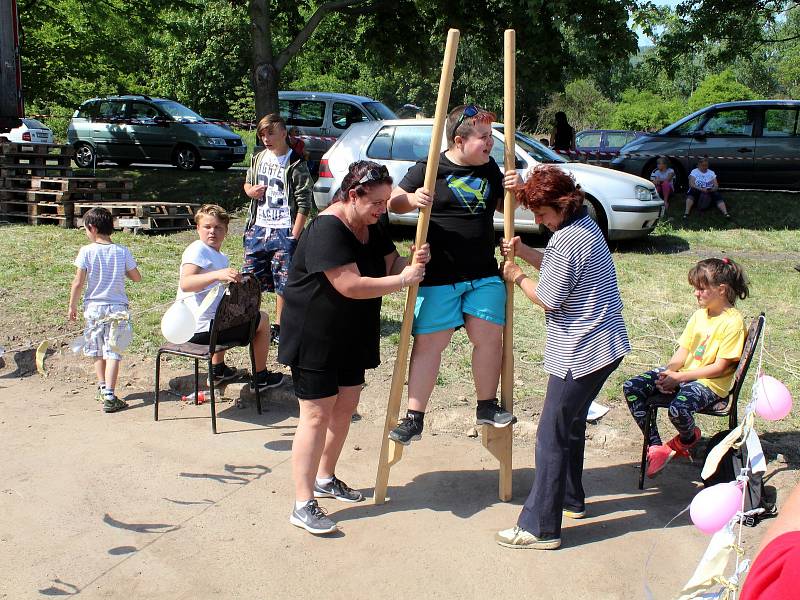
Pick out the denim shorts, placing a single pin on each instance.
(441, 307)
(268, 255)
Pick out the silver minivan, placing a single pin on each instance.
(322, 117)
(141, 129)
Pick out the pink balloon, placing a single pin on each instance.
(773, 400)
(715, 506)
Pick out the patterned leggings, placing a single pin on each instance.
(687, 400)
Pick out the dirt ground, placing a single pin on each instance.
(121, 506)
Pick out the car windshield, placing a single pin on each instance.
(179, 112)
(539, 152)
(379, 110)
(34, 124)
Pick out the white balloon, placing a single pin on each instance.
(178, 323)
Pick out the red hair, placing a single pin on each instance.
(547, 185)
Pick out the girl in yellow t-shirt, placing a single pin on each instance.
(700, 373)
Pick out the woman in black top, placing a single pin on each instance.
(330, 328)
(563, 135)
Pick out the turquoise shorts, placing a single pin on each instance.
(441, 307)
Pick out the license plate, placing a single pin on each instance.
(129, 222)
(239, 149)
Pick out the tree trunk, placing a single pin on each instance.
(265, 75)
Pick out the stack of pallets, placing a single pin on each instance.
(37, 186)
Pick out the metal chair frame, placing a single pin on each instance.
(234, 295)
(727, 408)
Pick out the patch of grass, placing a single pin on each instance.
(37, 261)
(171, 185)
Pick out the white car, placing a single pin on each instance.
(29, 131)
(625, 206)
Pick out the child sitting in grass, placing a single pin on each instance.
(700, 372)
(101, 268)
(662, 177)
(202, 267)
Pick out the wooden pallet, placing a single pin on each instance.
(17, 171)
(37, 149)
(12, 195)
(148, 215)
(31, 160)
(38, 213)
(65, 184)
(98, 196)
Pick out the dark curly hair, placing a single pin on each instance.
(547, 185)
(355, 172)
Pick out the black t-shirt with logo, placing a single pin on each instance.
(461, 230)
(320, 328)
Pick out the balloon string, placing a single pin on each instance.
(142, 311)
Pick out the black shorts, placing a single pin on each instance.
(313, 385)
(240, 333)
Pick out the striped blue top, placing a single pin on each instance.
(585, 329)
(105, 266)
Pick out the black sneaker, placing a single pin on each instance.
(267, 379)
(408, 430)
(492, 414)
(337, 489)
(222, 372)
(312, 518)
(274, 334)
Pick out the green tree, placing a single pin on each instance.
(584, 105)
(645, 111)
(719, 88)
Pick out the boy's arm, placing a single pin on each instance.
(194, 280)
(75, 293)
(133, 274)
(302, 189)
(401, 201)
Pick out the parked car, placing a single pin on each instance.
(751, 144)
(141, 129)
(604, 141)
(625, 206)
(322, 117)
(28, 131)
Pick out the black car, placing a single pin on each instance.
(750, 144)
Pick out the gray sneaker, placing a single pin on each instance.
(312, 518)
(337, 489)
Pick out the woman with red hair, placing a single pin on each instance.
(586, 340)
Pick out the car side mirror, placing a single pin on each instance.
(699, 134)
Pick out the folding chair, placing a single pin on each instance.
(724, 408)
(240, 305)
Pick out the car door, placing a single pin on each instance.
(727, 139)
(110, 131)
(151, 139)
(777, 156)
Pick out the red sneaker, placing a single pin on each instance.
(657, 459)
(682, 449)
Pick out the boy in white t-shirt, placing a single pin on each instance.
(102, 267)
(279, 186)
(202, 267)
(704, 189)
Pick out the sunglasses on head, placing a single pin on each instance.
(469, 111)
(374, 174)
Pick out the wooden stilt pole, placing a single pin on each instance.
(500, 441)
(391, 452)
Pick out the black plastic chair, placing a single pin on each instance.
(725, 408)
(240, 305)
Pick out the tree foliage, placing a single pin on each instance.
(719, 88)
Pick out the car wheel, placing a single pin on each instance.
(597, 214)
(84, 155)
(123, 163)
(222, 166)
(186, 158)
